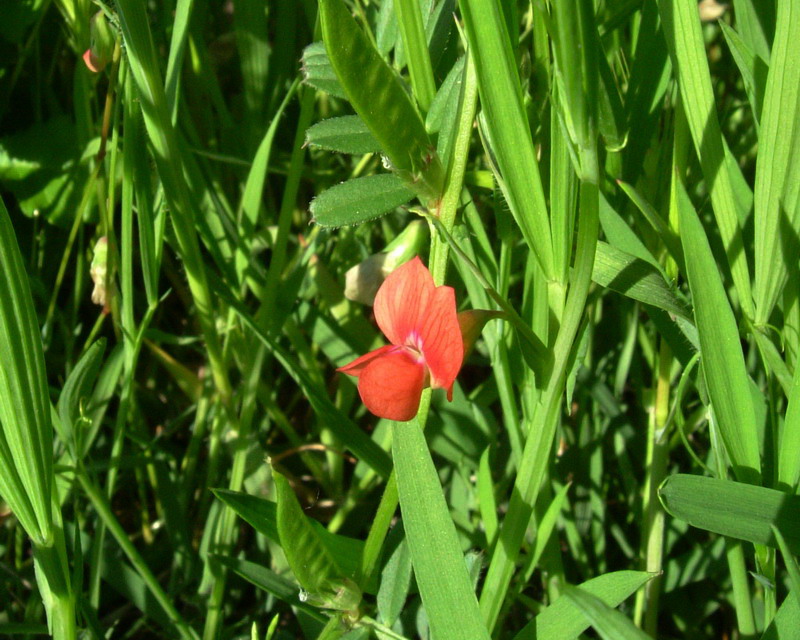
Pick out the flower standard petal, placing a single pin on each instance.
(402, 301)
(439, 339)
(391, 384)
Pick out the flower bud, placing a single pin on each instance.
(103, 40)
(364, 279)
(98, 271)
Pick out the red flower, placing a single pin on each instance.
(420, 321)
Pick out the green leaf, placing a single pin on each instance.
(318, 72)
(775, 223)
(359, 200)
(377, 96)
(257, 512)
(395, 583)
(261, 514)
(655, 220)
(270, 582)
(609, 623)
(486, 499)
(506, 125)
(563, 620)
(547, 524)
(687, 49)
(786, 622)
(415, 44)
(733, 509)
(443, 115)
(791, 564)
(347, 134)
(610, 113)
(26, 433)
(752, 68)
(721, 350)
(621, 236)
(635, 279)
(312, 564)
(439, 567)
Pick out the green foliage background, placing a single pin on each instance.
(618, 178)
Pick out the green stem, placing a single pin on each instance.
(646, 613)
(455, 171)
(734, 553)
(103, 509)
(52, 575)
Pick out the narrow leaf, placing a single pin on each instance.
(687, 50)
(507, 126)
(722, 357)
(609, 623)
(270, 582)
(441, 573)
(563, 620)
(26, 434)
(77, 389)
(635, 279)
(312, 564)
(733, 509)
(773, 223)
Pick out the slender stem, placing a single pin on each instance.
(734, 553)
(51, 568)
(103, 509)
(646, 612)
(455, 174)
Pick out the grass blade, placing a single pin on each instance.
(685, 41)
(507, 123)
(733, 509)
(563, 620)
(26, 434)
(723, 361)
(774, 225)
(439, 567)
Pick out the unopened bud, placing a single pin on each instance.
(364, 279)
(103, 40)
(99, 271)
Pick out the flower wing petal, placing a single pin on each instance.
(391, 384)
(440, 339)
(401, 303)
(357, 366)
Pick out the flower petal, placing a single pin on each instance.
(440, 340)
(402, 301)
(356, 367)
(391, 384)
